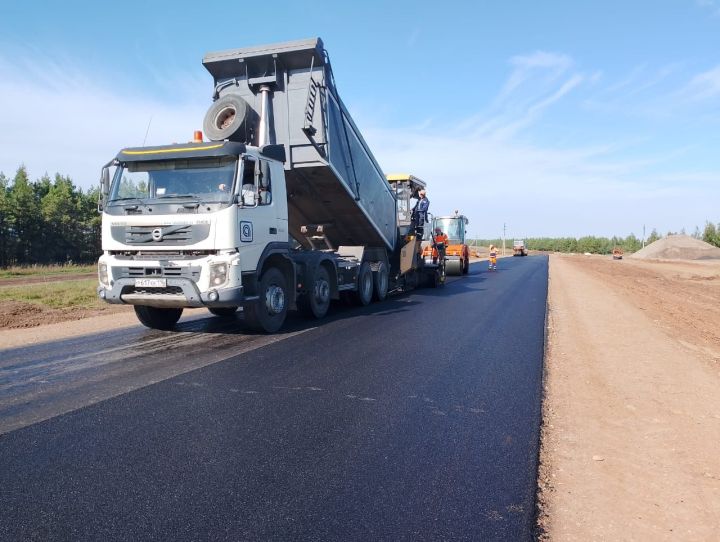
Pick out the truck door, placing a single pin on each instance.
(262, 202)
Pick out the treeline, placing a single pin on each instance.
(592, 244)
(47, 221)
(602, 245)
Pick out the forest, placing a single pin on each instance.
(52, 221)
(47, 221)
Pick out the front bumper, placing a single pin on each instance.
(178, 293)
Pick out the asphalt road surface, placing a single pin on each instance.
(414, 419)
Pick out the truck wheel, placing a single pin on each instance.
(316, 302)
(224, 312)
(364, 294)
(268, 313)
(380, 279)
(156, 318)
(226, 118)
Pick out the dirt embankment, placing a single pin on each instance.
(20, 315)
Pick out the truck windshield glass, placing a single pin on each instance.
(453, 228)
(205, 179)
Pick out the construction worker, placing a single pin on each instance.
(419, 214)
(492, 262)
(440, 244)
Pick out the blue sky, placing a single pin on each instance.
(553, 118)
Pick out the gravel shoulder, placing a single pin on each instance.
(631, 413)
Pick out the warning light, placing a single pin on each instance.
(197, 136)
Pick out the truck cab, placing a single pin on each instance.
(519, 248)
(189, 226)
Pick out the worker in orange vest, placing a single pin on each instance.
(440, 244)
(492, 262)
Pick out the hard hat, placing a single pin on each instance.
(438, 230)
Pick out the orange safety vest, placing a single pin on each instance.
(442, 238)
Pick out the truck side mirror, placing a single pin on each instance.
(105, 181)
(104, 187)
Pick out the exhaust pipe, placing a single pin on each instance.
(264, 124)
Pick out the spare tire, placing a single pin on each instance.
(228, 118)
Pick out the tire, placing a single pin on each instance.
(364, 294)
(227, 119)
(267, 315)
(223, 312)
(157, 318)
(316, 302)
(466, 266)
(380, 282)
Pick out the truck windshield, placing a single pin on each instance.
(203, 179)
(453, 228)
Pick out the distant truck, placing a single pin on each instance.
(285, 207)
(519, 248)
(617, 253)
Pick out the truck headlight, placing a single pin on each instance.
(218, 274)
(103, 274)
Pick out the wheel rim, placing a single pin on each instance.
(225, 117)
(274, 299)
(321, 292)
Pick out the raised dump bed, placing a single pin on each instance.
(287, 95)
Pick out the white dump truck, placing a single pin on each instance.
(285, 207)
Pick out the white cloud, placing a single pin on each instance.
(704, 86)
(413, 37)
(539, 191)
(56, 118)
(525, 67)
(711, 5)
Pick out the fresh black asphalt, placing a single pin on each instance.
(414, 419)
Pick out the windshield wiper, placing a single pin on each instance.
(116, 200)
(175, 196)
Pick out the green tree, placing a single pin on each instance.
(710, 234)
(63, 223)
(91, 242)
(654, 236)
(7, 248)
(27, 226)
(631, 243)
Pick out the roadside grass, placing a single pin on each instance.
(45, 270)
(57, 294)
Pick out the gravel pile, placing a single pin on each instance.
(678, 247)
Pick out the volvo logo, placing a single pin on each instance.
(157, 235)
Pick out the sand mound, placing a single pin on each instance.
(678, 247)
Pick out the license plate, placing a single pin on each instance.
(150, 283)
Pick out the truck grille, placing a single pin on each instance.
(170, 234)
(191, 272)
